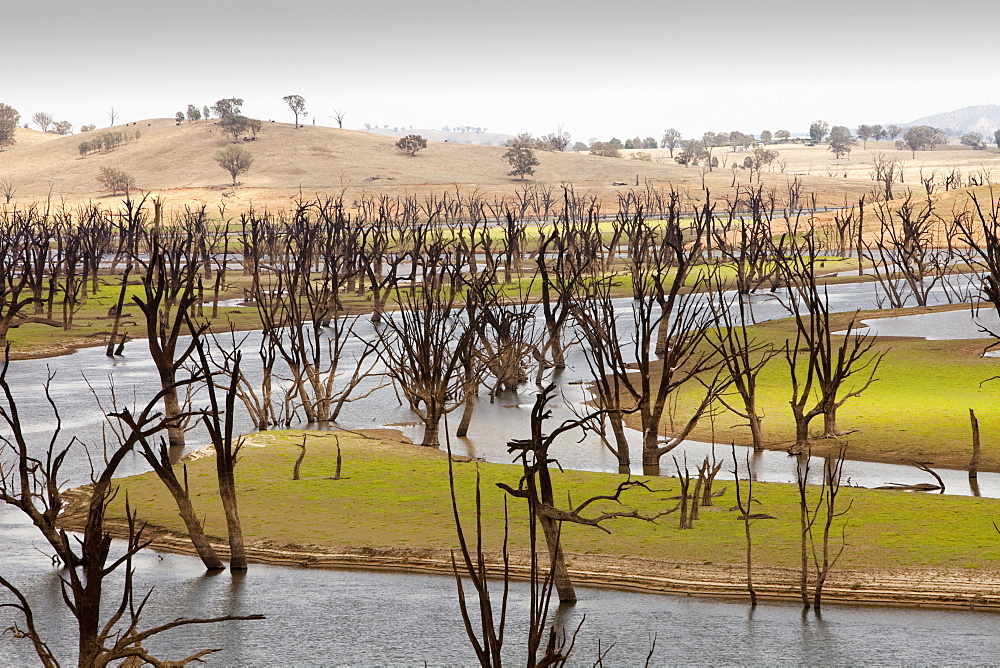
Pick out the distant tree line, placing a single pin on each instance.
(107, 142)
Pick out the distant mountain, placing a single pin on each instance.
(453, 135)
(984, 118)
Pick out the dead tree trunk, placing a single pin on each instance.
(974, 464)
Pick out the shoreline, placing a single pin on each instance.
(941, 587)
(930, 589)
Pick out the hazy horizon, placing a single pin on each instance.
(599, 69)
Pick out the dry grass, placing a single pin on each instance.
(177, 163)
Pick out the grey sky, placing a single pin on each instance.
(616, 67)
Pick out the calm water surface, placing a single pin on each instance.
(377, 618)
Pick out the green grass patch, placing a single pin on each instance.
(917, 409)
(396, 496)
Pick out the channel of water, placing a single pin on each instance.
(369, 618)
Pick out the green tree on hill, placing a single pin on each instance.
(818, 130)
(973, 139)
(297, 104)
(9, 118)
(234, 159)
(411, 144)
(866, 132)
(234, 125)
(229, 106)
(522, 159)
(841, 140)
(116, 180)
(923, 138)
(193, 114)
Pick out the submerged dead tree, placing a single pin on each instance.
(537, 489)
(424, 345)
(661, 351)
(821, 361)
(817, 525)
(168, 300)
(107, 614)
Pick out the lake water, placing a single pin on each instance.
(379, 618)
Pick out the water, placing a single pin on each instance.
(947, 325)
(381, 618)
(373, 618)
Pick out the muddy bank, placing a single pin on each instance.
(924, 588)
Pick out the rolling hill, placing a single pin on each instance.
(984, 118)
(177, 162)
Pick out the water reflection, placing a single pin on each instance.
(379, 618)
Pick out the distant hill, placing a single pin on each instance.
(453, 136)
(984, 118)
(179, 159)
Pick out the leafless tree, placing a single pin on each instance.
(815, 543)
(170, 278)
(742, 355)
(887, 172)
(488, 641)
(32, 484)
(906, 259)
(338, 115)
(536, 488)
(218, 419)
(424, 345)
(301, 312)
(8, 186)
(668, 320)
(745, 506)
(15, 295)
(42, 120)
(820, 362)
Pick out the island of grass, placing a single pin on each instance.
(391, 509)
(916, 410)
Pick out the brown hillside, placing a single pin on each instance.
(177, 163)
(28, 137)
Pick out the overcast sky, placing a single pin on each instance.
(616, 67)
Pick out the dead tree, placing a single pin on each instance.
(745, 506)
(887, 172)
(106, 639)
(824, 561)
(743, 356)
(302, 317)
(743, 243)
(536, 488)
(980, 231)
(976, 452)
(423, 346)
(823, 510)
(905, 259)
(669, 320)
(488, 641)
(218, 419)
(168, 299)
(102, 638)
(15, 293)
(820, 363)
